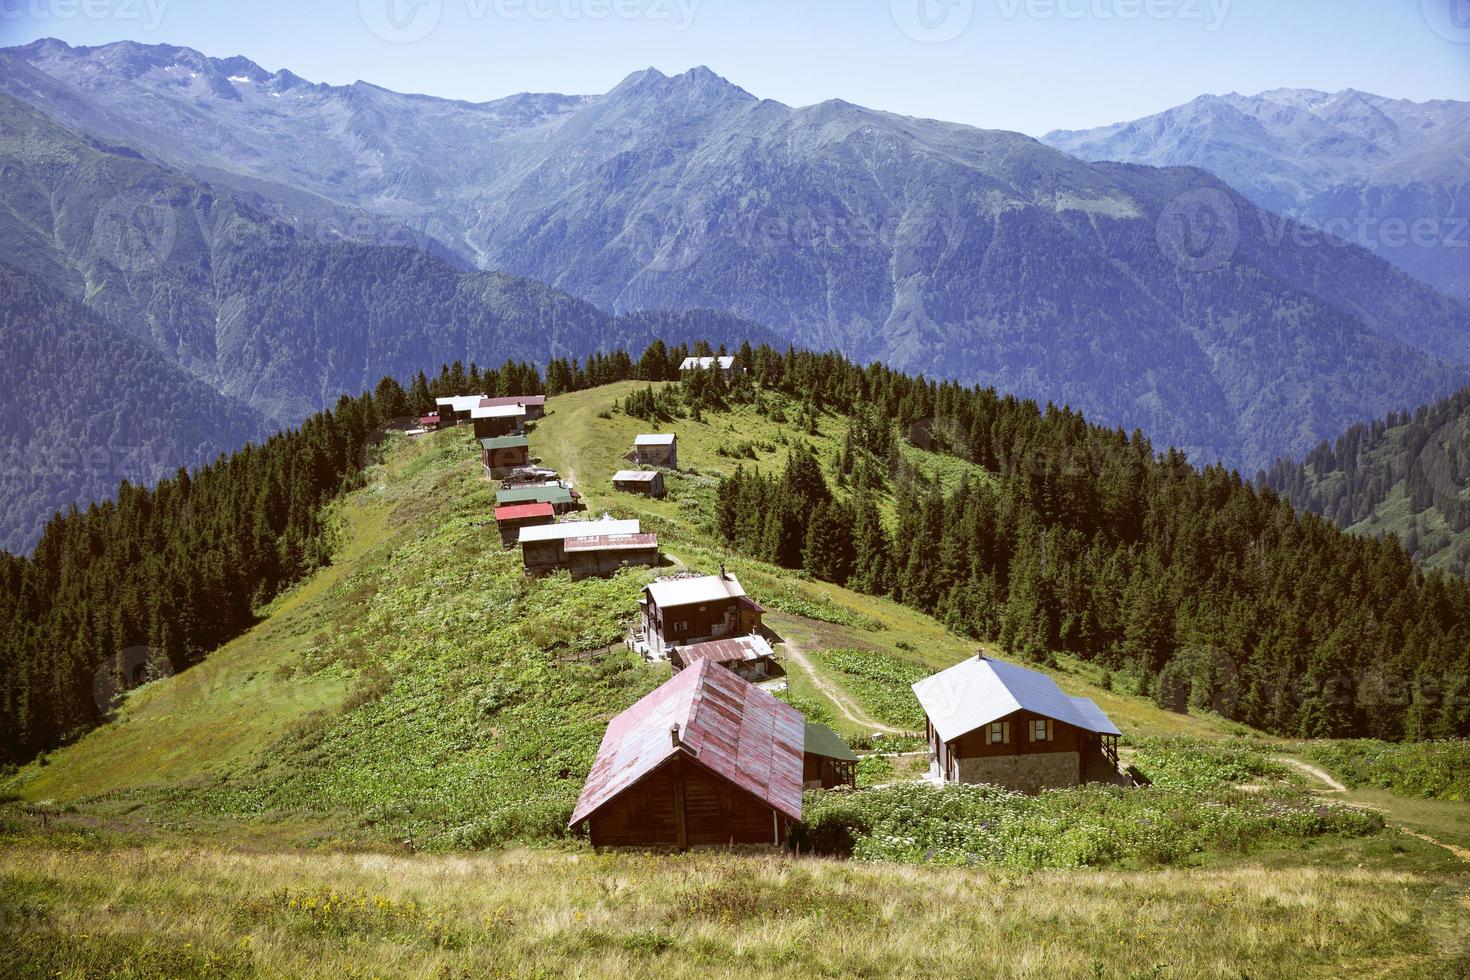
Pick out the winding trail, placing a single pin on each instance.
(1334, 786)
(849, 708)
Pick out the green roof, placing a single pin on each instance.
(505, 442)
(821, 740)
(525, 495)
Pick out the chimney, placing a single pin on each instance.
(674, 734)
(722, 571)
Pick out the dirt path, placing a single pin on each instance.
(1334, 786)
(833, 693)
(1321, 775)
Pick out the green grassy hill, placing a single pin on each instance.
(272, 806)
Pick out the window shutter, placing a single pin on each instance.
(1005, 731)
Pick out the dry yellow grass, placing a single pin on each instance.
(154, 910)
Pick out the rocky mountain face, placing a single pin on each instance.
(1146, 298)
(1389, 175)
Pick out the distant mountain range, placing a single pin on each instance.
(284, 241)
(1388, 174)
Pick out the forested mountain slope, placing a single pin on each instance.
(1407, 474)
(1146, 298)
(1388, 174)
(85, 407)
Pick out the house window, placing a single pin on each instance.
(999, 733)
(1041, 730)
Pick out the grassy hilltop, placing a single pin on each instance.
(375, 780)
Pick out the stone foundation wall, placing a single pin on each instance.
(1027, 773)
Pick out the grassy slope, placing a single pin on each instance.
(411, 693)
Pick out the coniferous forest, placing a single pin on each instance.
(1205, 591)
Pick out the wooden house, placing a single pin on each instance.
(543, 547)
(656, 449)
(559, 495)
(512, 517)
(603, 554)
(429, 423)
(989, 721)
(705, 760)
(497, 420)
(826, 759)
(648, 483)
(749, 656)
(456, 408)
(503, 455)
(534, 405)
(724, 364)
(684, 611)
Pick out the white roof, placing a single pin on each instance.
(686, 591)
(460, 403)
(634, 475)
(654, 439)
(977, 691)
(704, 362)
(577, 529)
(497, 411)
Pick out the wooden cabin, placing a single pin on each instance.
(497, 420)
(429, 423)
(543, 547)
(656, 449)
(724, 364)
(684, 611)
(503, 455)
(989, 721)
(512, 517)
(705, 760)
(534, 405)
(751, 657)
(560, 496)
(827, 761)
(456, 408)
(647, 483)
(600, 555)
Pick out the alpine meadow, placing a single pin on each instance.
(556, 489)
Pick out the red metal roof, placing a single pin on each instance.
(513, 400)
(611, 542)
(726, 724)
(727, 651)
(428, 420)
(514, 512)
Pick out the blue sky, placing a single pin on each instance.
(1028, 65)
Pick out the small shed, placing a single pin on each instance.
(827, 759)
(656, 449)
(749, 656)
(558, 495)
(604, 554)
(534, 405)
(497, 420)
(649, 483)
(512, 517)
(503, 455)
(989, 721)
(429, 422)
(704, 760)
(543, 548)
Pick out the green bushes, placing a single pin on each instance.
(1432, 770)
(1091, 826)
(881, 683)
(1181, 762)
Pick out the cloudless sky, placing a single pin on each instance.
(1027, 65)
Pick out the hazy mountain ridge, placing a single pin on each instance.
(1388, 174)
